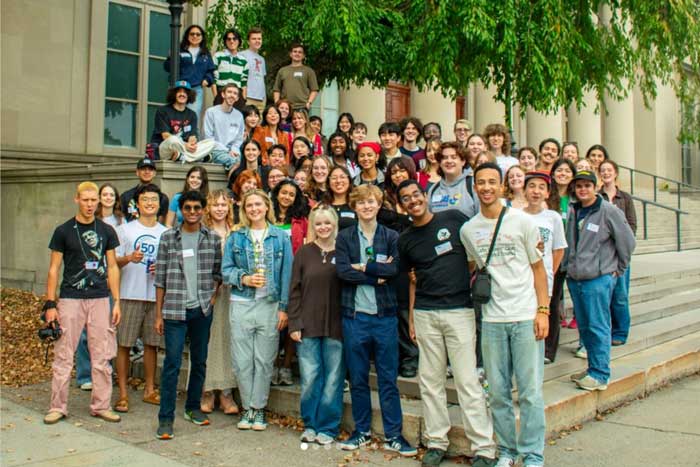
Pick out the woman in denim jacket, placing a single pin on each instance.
(257, 264)
(196, 65)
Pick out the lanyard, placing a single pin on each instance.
(80, 240)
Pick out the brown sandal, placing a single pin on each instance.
(152, 398)
(228, 405)
(122, 405)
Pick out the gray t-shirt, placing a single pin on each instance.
(190, 241)
(365, 298)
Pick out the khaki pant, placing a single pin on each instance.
(174, 144)
(442, 334)
(260, 104)
(74, 315)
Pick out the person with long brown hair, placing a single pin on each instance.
(109, 207)
(196, 179)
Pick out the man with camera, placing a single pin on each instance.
(442, 322)
(85, 245)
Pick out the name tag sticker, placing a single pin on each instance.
(443, 248)
(350, 215)
(187, 128)
(298, 74)
(188, 253)
(92, 265)
(333, 260)
(592, 227)
(381, 258)
(269, 139)
(481, 234)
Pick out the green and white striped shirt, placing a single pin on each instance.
(230, 69)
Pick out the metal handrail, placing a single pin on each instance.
(655, 177)
(678, 213)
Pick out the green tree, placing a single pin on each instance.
(541, 54)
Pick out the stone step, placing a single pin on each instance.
(669, 247)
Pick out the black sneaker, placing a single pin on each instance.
(197, 417)
(400, 445)
(165, 430)
(432, 457)
(356, 441)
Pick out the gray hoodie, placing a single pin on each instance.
(443, 196)
(602, 245)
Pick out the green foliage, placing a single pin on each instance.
(541, 54)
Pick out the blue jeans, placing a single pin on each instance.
(198, 103)
(83, 369)
(592, 299)
(364, 336)
(197, 326)
(322, 374)
(219, 156)
(511, 348)
(620, 308)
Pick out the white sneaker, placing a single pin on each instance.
(285, 378)
(581, 353)
(324, 439)
(505, 462)
(275, 376)
(308, 436)
(589, 383)
(86, 386)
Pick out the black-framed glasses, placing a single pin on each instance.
(405, 199)
(195, 34)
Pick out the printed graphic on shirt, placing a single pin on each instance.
(148, 245)
(180, 126)
(443, 201)
(256, 67)
(443, 234)
(95, 267)
(503, 251)
(545, 234)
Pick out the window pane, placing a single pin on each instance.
(122, 76)
(120, 124)
(151, 121)
(157, 80)
(159, 35)
(124, 27)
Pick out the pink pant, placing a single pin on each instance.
(74, 314)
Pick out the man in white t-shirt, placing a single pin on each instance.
(515, 319)
(553, 239)
(255, 92)
(136, 256)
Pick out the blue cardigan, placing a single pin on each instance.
(347, 253)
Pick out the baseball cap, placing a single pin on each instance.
(182, 84)
(585, 175)
(536, 174)
(145, 162)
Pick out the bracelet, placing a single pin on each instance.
(543, 309)
(48, 305)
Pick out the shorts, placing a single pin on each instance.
(138, 320)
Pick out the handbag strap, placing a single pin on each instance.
(495, 234)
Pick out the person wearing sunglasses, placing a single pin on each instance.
(188, 273)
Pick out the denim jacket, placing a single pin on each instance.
(194, 73)
(239, 260)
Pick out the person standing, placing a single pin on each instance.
(136, 256)
(367, 259)
(296, 82)
(549, 153)
(454, 191)
(601, 243)
(85, 246)
(188, 271)
(146, 172)
(443, 323)
(256, 94)
(515, 317)
(231, 68)
(315, 323)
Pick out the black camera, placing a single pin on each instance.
(51, 333)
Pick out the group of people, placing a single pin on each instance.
(447, 258)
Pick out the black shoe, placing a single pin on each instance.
(165, 430)
(433, 457)
(408, 372)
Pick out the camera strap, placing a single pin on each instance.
(495, 234)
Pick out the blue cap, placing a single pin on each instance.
(182, 84)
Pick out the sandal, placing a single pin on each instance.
(122, 405)
(207, 402)
(152, 398)
(228, 405)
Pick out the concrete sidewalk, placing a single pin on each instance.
(663, 429)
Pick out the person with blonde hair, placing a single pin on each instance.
(316, 326)
(257, 264)
(220, 381)
(86, 247)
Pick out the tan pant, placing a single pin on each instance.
(443, 333)
(260, 104)
(73, 315)
(174, 144)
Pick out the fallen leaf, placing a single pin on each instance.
(569, 449)
(71, 450)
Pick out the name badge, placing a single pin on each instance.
(187, 128)
(333, 260)
(269, 139)
(350, 215)
(133, 210)
(592, 227)
(188, 253)
(298, 74)
(443, 248)
(92, 265)
(381, 258)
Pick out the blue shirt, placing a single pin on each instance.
(365, 299)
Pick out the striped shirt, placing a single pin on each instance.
(170, 271)
(230, 69)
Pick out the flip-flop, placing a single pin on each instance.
(153, 398)
(122, 405)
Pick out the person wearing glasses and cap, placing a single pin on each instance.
(146, 172)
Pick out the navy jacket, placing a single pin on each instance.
(194, 73)
(347, 252)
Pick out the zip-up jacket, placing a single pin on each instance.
(194, 72)
(347, 253)
(602, 243)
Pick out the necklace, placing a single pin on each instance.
(324, 252)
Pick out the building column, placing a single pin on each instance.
(541, 126)
(487, 109)
(584, 126)
(618, 130)
(366, 104)
(432, 106)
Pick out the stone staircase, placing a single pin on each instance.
(664, 344)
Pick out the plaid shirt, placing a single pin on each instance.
(170, 273)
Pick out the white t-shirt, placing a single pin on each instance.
(258, 236)
(136, 282)
(256, 74)
(552, 234)
(513, 295)
(111, 220)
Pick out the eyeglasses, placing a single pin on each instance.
(195, 34)
(405, 199)
(231, 38)
(192, 208)
(150, 199)
(461, 130)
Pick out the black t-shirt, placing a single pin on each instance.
(131, 211)
(84, 261)
(168, 119)
(346, 216)
(438, 256)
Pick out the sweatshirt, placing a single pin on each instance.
(455, 195)
(226, 128)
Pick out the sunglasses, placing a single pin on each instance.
(189, 208)
(195, 34)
